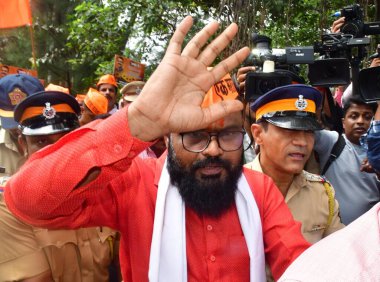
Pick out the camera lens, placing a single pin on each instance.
(352, 28)
(267, 84)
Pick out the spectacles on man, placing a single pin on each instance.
(198, 141)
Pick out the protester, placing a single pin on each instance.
(80, 100)
(214, 225)
(107, 85)
(4, 71)
(51, 255)
(13, 89)
(356, 191)
(284, 131)
(94, 104)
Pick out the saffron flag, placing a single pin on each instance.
(15, 13)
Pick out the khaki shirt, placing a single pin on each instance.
(20, 255)
(72, 255)
(10, 157)
(308, 201)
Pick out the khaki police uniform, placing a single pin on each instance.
(309, 201)
(71, 255)
(83, 254)
(10, 157)
(20, 255)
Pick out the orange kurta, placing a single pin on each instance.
(123, 197)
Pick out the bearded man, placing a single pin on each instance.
(193, 216)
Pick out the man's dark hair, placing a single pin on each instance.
(358, 101)
(264, 124)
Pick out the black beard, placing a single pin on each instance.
(210, 196)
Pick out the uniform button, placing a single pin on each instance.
(212, 258)
(117, 148)
(131, 155)
(209, 227)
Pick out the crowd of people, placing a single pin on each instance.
(182, 179)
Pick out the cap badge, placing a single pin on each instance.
(16, 96)
(48, 112)
(301, 103)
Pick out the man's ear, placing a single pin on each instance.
(22, 142)
(257, 132)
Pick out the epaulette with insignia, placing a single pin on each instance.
(313, 177)
(3, 181)
(329, 192)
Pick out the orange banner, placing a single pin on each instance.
(125, 70)
(5, 69)
(15, 13)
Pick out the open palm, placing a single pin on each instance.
(171, 100)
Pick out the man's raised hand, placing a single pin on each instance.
(172, 97)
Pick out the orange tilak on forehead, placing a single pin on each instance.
(216, 125)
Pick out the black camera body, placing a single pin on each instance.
(338, 51)
(354, 22)
(285, 66)
(342, 52)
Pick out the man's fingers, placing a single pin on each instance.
(241, 77)
(219, 110)
(337, 25)
(242, 86)
(218, 44)
(244, 70)
(195, 45)
(175, 44)
(229, 64)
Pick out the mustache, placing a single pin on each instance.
(215, 161)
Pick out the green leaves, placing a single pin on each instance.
(76, 40)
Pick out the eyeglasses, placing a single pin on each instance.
(198, 141)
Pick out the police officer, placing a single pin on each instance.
(284, 130)
(13, 89)
(84, 254)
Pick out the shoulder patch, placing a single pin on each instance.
(313, 177)
(3, 181)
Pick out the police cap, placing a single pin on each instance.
(13, 89)
(291, 106)
(47, 112)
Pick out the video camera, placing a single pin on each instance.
(354, 24)
(342, 51)
(338, 51)
(369, 80)
(274, 67)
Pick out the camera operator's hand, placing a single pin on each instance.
(337, 25)
(366, 167)
(375, 63)
(241, 76)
